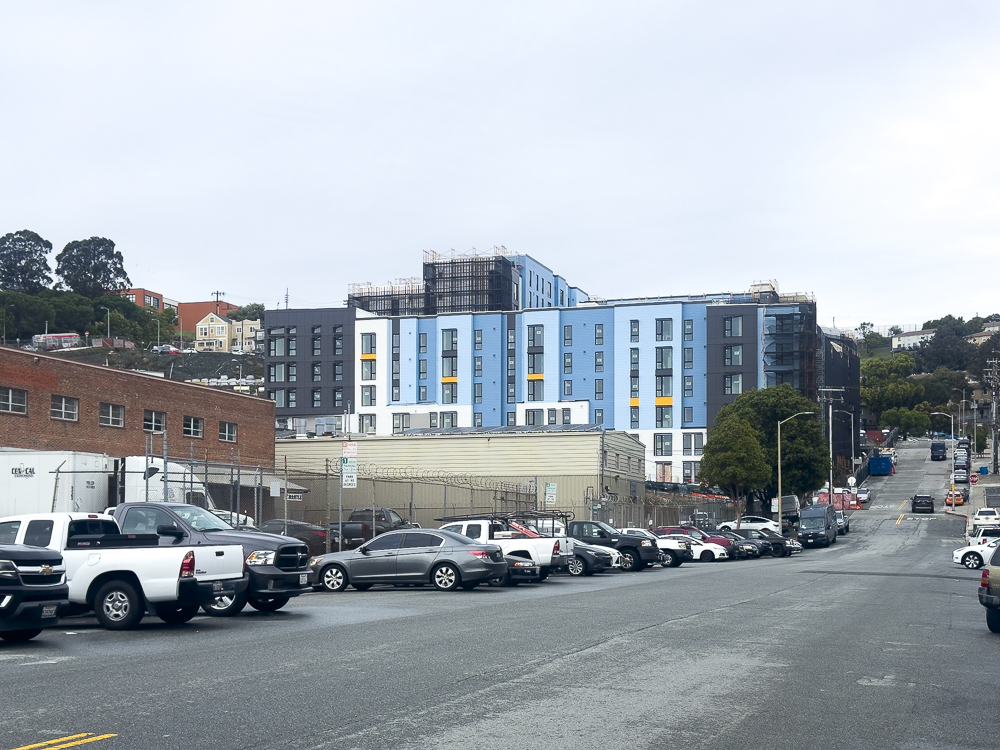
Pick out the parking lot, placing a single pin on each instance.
(864, 644)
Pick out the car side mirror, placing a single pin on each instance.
(165, 530)
(363, 550)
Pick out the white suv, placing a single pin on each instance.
(751, 522)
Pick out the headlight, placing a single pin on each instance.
(8, 569)
(314, 561)
(524, 564)
(647, 543)
(261, 557)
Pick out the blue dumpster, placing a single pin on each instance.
(984, 469)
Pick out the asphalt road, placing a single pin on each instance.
(876, 642)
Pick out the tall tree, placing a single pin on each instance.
(23, 265)
(872, 338)
(92, 267)
(885, 384)
(734, 460)
(253, 311)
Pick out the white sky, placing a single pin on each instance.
(845, 149)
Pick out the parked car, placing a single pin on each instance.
(704, 551)
(519, 570)
(314, 536)
(443, 558)
(961, 476)
(922, 503)
(864, 494)
(985, 517)
(673, 552)
(792, 546)
(989, 591)
(843, 523)
(752, 547)
(703, 536)
(589, 559)
(953, 498)
(637, 553)
(750, 522)
(32, 588)
(974, 555)
(818, 525)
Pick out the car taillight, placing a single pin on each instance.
(187, 565)
(480, 553)
(321, 533)
(985, 580)
(555, 548)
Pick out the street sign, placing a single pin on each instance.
(350, 450)
(349, 465)
(294, 497)
(852, 481)
(550, 493)
(974, 478)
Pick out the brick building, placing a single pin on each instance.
(50, 403)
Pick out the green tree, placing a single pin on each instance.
(23, 265)
(92, 267)
(73, 312)
(908, 421)
(947, 349)
(885, 384)
(253, 311)
(734, 460)
(895, 330)
(805, 458)
(28, 315)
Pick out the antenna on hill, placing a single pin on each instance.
(286, 297)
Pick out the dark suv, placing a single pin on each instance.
(923, 503)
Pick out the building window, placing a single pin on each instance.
(478, 367)
(477, 390)
(511, 418)
(400, 422)
(276, 331)
(291, 346)
(511, 393)
(732, 326)
(395, 343)
(276, 347)
(536, 335)
(367, 395)
(599, 389)
(733, 384)
(664, 329)
(317, 372)
(317, 346)
(536, 364)
(338, 339)
(633, 391)
(664, 417)
(568, 363)
(449, 340)
(154, 421)
(633, 413)
(664, 358)
(449, 393)
(366, 422)
(664, 386)
(368, 369)
(367, 343)
(194, 427)
(534, 417)
(691, 471)
(734, 355)
(688, 444)
(634, 330)
(511, 367)
(552, 416)
(477, 339)
(633, 358)
(689, 359)
(293, 372)
(112, 415)
(477, 419)
(292, 398)
(227, 432)
(663, 444)
(511, 338)
(599, 334)
(688, 414)
(421, 393)
(689, 330)
(598, 361)
(433, 419)
(317, 397)
(688, 386)
(536, 390)
(316, 330)
(449, 419)
(338, 398)
(567, 387)
(699, 444)
(338, 370)
(566, 416)
(567, 335)
(422, 369)
(276, 372)
(278, 397)
(422, 339)
(449, 367)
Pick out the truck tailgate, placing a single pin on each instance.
(218, 562)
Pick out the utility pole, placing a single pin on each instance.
(829, 399)
(992, 377)
(217, 295)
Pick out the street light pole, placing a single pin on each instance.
(109, 323)
(961, 411)
(952, 418)
(965, 427)
(851, 413)
(781, 422)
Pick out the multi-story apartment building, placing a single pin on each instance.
(657, 368)
(146, 298)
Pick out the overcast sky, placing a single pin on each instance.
(845, 149)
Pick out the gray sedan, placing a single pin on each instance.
(443, 558)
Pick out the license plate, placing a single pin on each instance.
(49, 610)
(216, 586)
(303, 579)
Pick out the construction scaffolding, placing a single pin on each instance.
(398, 297)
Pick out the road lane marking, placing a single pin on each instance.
(71, 741)
(901, 515)
(900, 506)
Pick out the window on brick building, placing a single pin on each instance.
(154, 421)
(227, 432)
(194, 427)
(64, 407)
(112, 415)
(13, 400)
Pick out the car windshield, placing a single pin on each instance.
(641, 532)
(812, 522)
(200, 519)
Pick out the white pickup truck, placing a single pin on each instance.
(548, 552)
(120, 576)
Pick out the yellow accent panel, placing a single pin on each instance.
(367, 356)
(449, 380)
(664, 401)
(633, 402)
(536, 376)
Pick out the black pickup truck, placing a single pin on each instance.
(277, 565)
(357, 529)
(637, 552)
(33, 591)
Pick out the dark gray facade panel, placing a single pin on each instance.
(716, 368)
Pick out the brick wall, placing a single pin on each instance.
(43, 376)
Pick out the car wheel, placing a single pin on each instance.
(445, 577)
(269, 605)
(778, 550)
(333, 578)
(972, 561)
(225, 606)
(672, 560)
(176, 614)
(19, 636)
(543, 574)
(835, 538)
(500, 580)
(630, 560)
(361, 586)
(577, 566)
(118, 605)
(706, 556)
(726, 527)
(993, 620)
